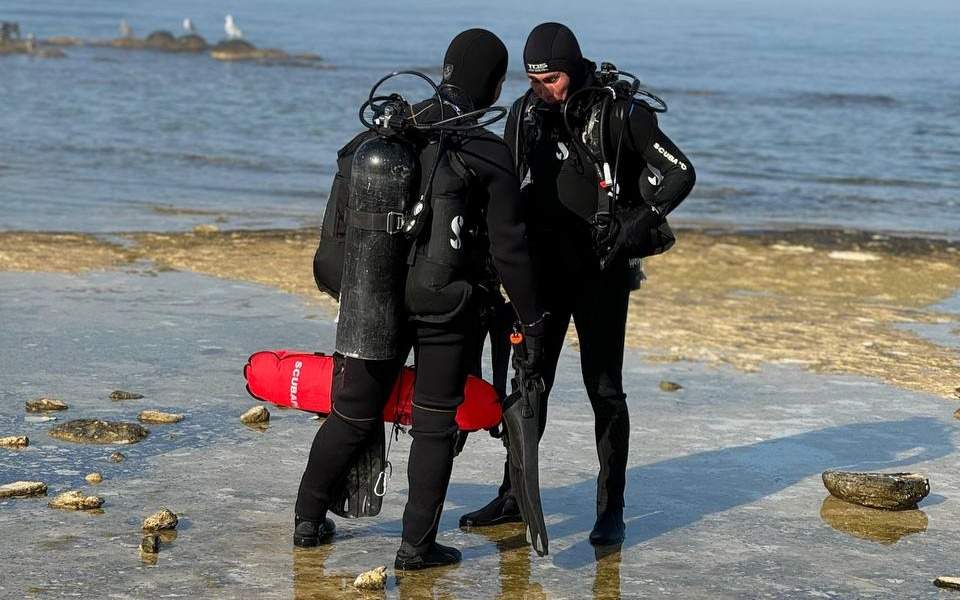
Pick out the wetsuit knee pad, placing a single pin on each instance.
(434, 423)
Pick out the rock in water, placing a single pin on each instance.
(23, 489)
(949, 583)
(669, 386)
(150, 544)
(206, 229)
(122, 395)
(956, 414)
(164, 519)
(44, 404)
(94, 478)
(15, 441)
(118, 457)
(156, 416)
(890, 491)
(257, 414)
(95, 431)
(372, 580)
(76, 500)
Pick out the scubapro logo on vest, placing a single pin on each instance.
(668, 156)
(456, 225)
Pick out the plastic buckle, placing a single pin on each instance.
(394, 222)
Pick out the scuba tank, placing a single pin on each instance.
(384, 216)
(385, 174)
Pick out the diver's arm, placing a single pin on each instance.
(677, 174)
(491, 161)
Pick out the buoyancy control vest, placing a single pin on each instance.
(624, 191)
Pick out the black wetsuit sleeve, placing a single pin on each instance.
(678, 176)
(510, 135)
(490, 159)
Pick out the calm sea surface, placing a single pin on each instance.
(813, 113)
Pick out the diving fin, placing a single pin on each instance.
(522, 440)
(360, 492)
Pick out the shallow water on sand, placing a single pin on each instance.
(724, 500)
(822, 113)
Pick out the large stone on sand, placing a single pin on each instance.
(23, 489)
(44, 404)
(889, 491)
(76, 500)
(159, 521)
(95, 431)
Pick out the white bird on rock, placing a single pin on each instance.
(230, 26)
(188, 26)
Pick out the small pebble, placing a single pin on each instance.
(118, 457)
(150, 544)
(257, 414)
(15, 441)
(164, 519)
(372, 580)
(94, 478)
(76, 500)
(44, 404)
(159, 417)
(956, 392)
(122, 395)
(669, 386)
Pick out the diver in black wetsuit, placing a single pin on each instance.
(475, 179)
(583, 275)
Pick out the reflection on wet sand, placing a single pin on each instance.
(311, 583)
(606, 582)
(422, 585)
(883, 526)
(513, 552)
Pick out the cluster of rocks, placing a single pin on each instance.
(162, 41)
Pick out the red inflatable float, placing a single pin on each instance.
(303, 380)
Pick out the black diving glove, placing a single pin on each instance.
(533, 335)
(639, 232)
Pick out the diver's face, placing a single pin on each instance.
(550, 87)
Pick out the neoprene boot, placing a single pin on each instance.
(609, 530)
(411, 558)
(307, 534)
(502, 509)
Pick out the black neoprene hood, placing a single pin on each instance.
(475, 62)
(552, 47)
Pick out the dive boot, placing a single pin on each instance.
(609, 529)
(308, 534)
(502, 509)
(433, 555)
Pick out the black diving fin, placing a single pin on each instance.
(521, 421)
(360, 492)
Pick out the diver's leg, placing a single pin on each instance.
(600, 317)
(360, 390)
(504, 508)
(443, 358)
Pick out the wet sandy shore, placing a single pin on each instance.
(830, 301)
(724, 492)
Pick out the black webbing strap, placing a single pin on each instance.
(390, 222)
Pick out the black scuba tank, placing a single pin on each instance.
(385, 175)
